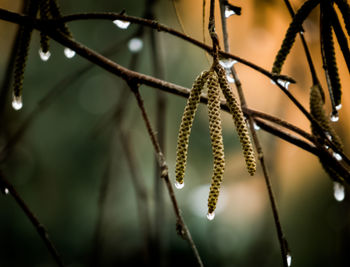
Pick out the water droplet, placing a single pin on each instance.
(334, 117)
(69, 53)
(281, 82)
(121, 24)
(44, 56)
(229, 12)
(256, 127)
(326, 147)
(211, 216)
(338, 107)
(337, 156)
(328, 135)
(339, 191)
(289, 259)
(135, 45)
(179, 185)
(17, 103)
(227, 63)
(6, 191)
(229, 77)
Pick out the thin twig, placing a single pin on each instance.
(103, 192)
(287, 137)
(140, 191)
(178, 17)
(116, 121)
(280, 234)
(161, 107)
(41, 229)
(181, 226)
(285, 124)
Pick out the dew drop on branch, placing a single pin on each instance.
(289, 259)
(229, 12)
(334, 117)
(281, 82)
(121, 24)
(338, 107)
(211, 216)
(339, 191)
(179, 185)
(17, 103)
(135, 45)
(227, 63)
(69, 53)
(44, 55)
(328, 135)
(337, 156)
(6, 191)
(256, 127)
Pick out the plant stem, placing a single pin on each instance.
(181, 226)
(41, 229)
(280, 234)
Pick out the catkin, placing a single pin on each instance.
(217, 145)
(292, 31)
(344, 8)
(327, 48)
(239, 121)
(186, 125)
(317, 111)
(56, 13)
(44, 15)
(22, 52)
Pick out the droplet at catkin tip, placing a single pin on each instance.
(179, 185)
(211, 216)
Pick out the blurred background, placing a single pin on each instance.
(74, 143)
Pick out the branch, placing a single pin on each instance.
(9, 189)
(281, 238)
(51, 25)
(181, 226)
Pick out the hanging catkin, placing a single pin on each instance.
(56, 13)
(44, 15)
(329, 62)
(239, 121)
(344, 8)
(22, 52)
(317, 111)
(217, 145)
(292, 31)
(186, 125)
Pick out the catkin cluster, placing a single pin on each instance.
(317, 111)
(215, 81)
(47, 9)
(328, 20)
